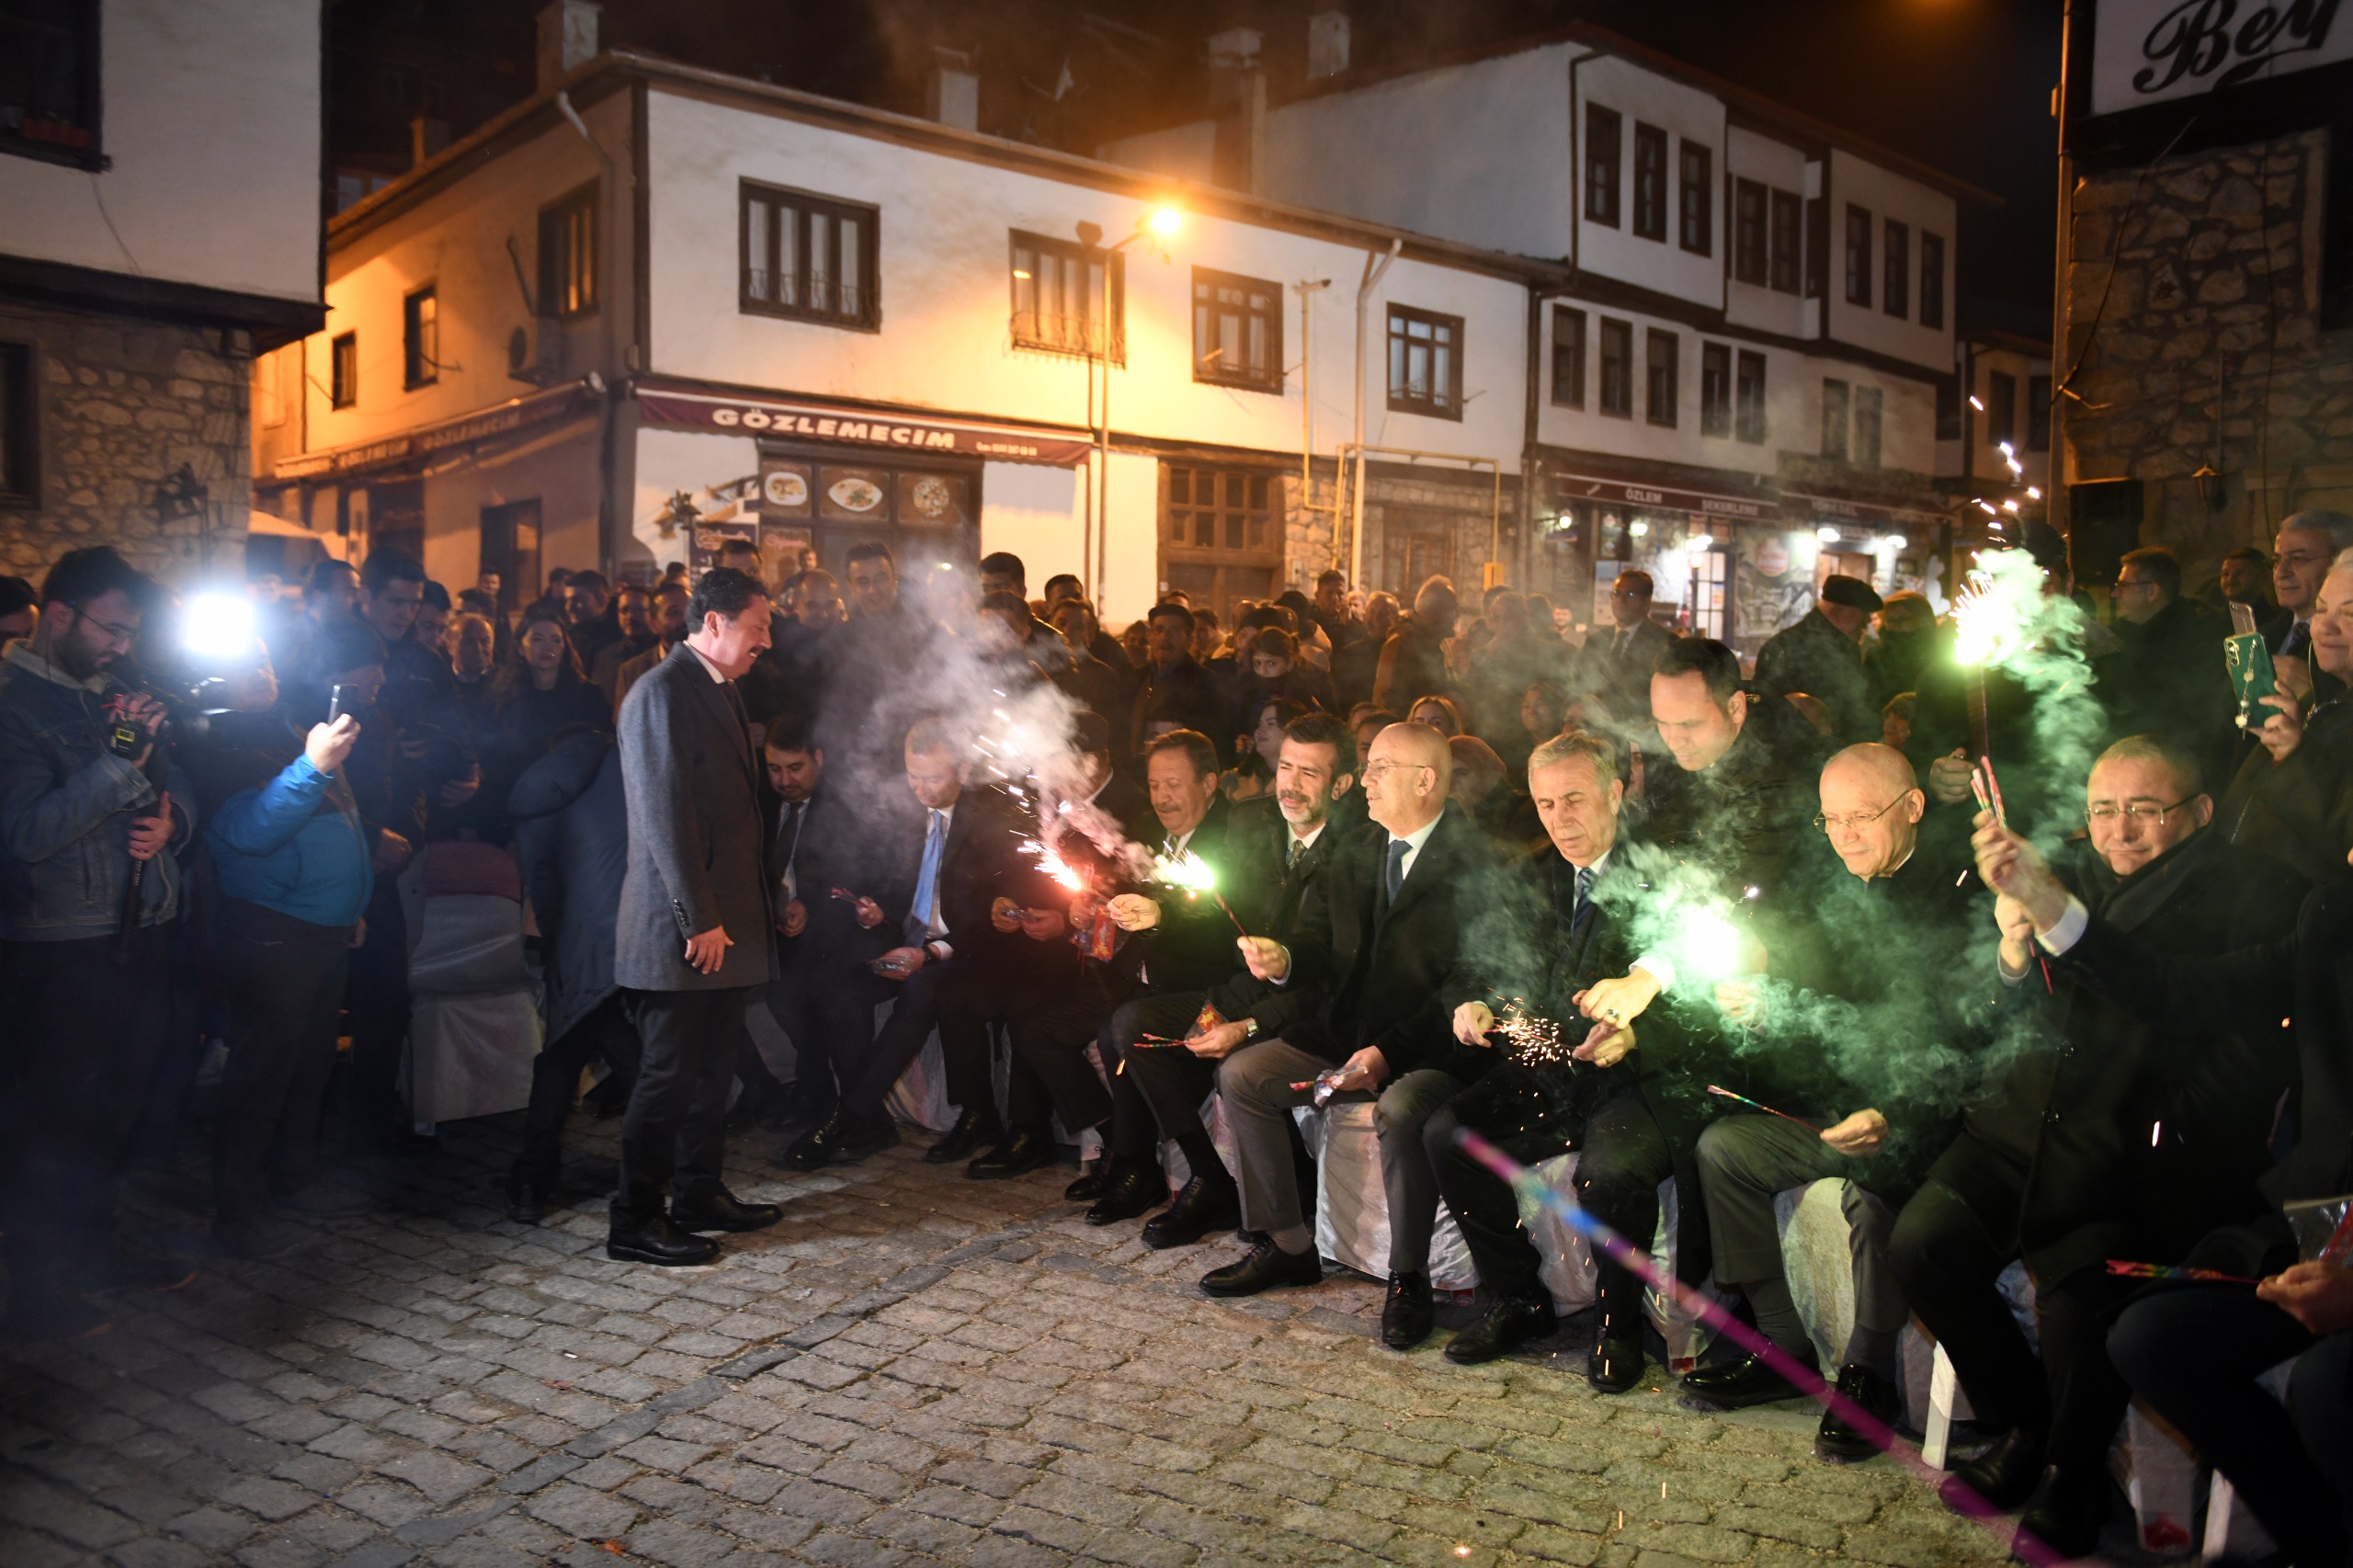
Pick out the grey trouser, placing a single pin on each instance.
(1744, 1161)
(1255, 1085)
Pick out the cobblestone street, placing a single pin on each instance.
(913, 1368)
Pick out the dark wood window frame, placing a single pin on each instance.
(1751, 231)
(1617, 388)
(1437, 401)
(1895, 280)
(1568, 357)
(763, 281)
(1787, 243)
(1838, 397)
(1604, 150)
(1749, 419)
(1871, 426)
(1696, 198)
(421, 337)
(1056, 332)
(1715, 390)
(76, 138)
(342, 370)
(1859, 255)
(1242, 509)
(19, 426)
(1662, 377)
(1932, 279)
(1651, 202)
(571, 270)
(1261, 304)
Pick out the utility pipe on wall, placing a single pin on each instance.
(1375, 268)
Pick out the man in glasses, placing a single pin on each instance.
(84, 800)
(2308, 541)
(2095, 1136)
(1876, 991)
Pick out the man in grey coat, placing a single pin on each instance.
(693, 938)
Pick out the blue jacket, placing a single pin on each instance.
(286, 847)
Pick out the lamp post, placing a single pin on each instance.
(1160, 225)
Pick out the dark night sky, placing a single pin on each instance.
(1964, 84)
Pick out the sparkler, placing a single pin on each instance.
(1988, 790)
(2024, 1545)
(1719, 1090)
(1533, 1040)
(1054, 866)
(2124, 1270)
(1197, 877)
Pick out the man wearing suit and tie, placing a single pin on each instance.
(811, 845)
(692, 942)
(1377, 943)
(922, 941)
(1615, 662)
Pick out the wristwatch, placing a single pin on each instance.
(1250, 1028)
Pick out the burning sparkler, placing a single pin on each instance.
(1197, 877)
(1054, 866)
(1717, 1089)
(1531, 1040)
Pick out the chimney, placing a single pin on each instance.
(954, 89)
(427, 136)
(1328, 44)
(567, 38)
(1238, 106)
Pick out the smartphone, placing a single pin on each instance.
(2248, 663)
(334, 703)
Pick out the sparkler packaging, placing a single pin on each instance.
(2247, 660)
(2323, 1228)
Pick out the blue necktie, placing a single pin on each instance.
(2298, 643)
(1584, 897)
(1397, 847)
(926, 882)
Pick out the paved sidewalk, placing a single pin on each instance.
(913, 1368)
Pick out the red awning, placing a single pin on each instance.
(686, 406)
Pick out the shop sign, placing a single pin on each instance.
(2146, 52)
(798, 419)
(1587, 487)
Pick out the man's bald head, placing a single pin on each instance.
(1872, 807)
(1406, 775)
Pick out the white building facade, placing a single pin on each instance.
(159, 223)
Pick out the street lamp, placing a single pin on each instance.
(1161, 224)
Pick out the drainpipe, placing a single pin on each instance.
(1376, 266)
(607, 508)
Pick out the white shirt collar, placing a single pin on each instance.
(1419, 837)
(1306, 841)
(705, 660)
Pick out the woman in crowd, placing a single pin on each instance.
(540, 693)
(1255, 775)
(1439, 713)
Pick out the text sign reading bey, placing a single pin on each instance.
(2146, 52)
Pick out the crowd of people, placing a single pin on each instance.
(1616, 897)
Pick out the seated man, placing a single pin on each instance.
(1869, 1006)
(921, 940)
(2105, 1138)
(1275, 857)
(1556, 925)
(1378, 942)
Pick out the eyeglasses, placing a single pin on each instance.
(1831, 825)
(2124, 583)
(118, 634)
(1378, 768)
(2141, 812)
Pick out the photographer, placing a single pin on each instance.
(84, 969)
(290, 855)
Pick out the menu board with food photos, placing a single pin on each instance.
(788, 489)
(854, 494)
(932, 500)
(709, 538)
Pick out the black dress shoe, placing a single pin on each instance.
(657, 1240)
(2069, 1509)
(1509, 1323)
(1018, 1152)
(840, 1136)
(1613, 1366)
(1405, 1315)
(971, 1129)
(1093, 1178)
(1130, 1191)
(526, 1204)
(1263, 1268)
(1202, 1207)
(2005, 1474)
(1737, 1384)
(708, 1206)
(1840, 1443)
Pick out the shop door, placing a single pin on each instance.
(510, 547)
(1414, 547)
(1221, 536)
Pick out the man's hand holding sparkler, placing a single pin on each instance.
(1618, 1001)
(2018, 935)
(795, 918)
(2016, 870)
(1217, 1044)
(1858, 1137)
(1471, 1022)
(1135, 911)
(1948, 777)
(1606, 1044)
(2318, 1295)
(1267, 960)
(867, 912)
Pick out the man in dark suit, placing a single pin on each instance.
(924, 925)
(1173, 685)
(693, 938)
(1271, 857)
(1822, 656)
(1378, 942)
(813, 850)
(2118, 1139)
(1615, 662)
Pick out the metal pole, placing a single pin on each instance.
(2054, 488)
(1375, 266)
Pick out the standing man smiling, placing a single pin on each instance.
(695, 916)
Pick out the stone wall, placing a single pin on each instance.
(122, 404)
(2210, 310)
